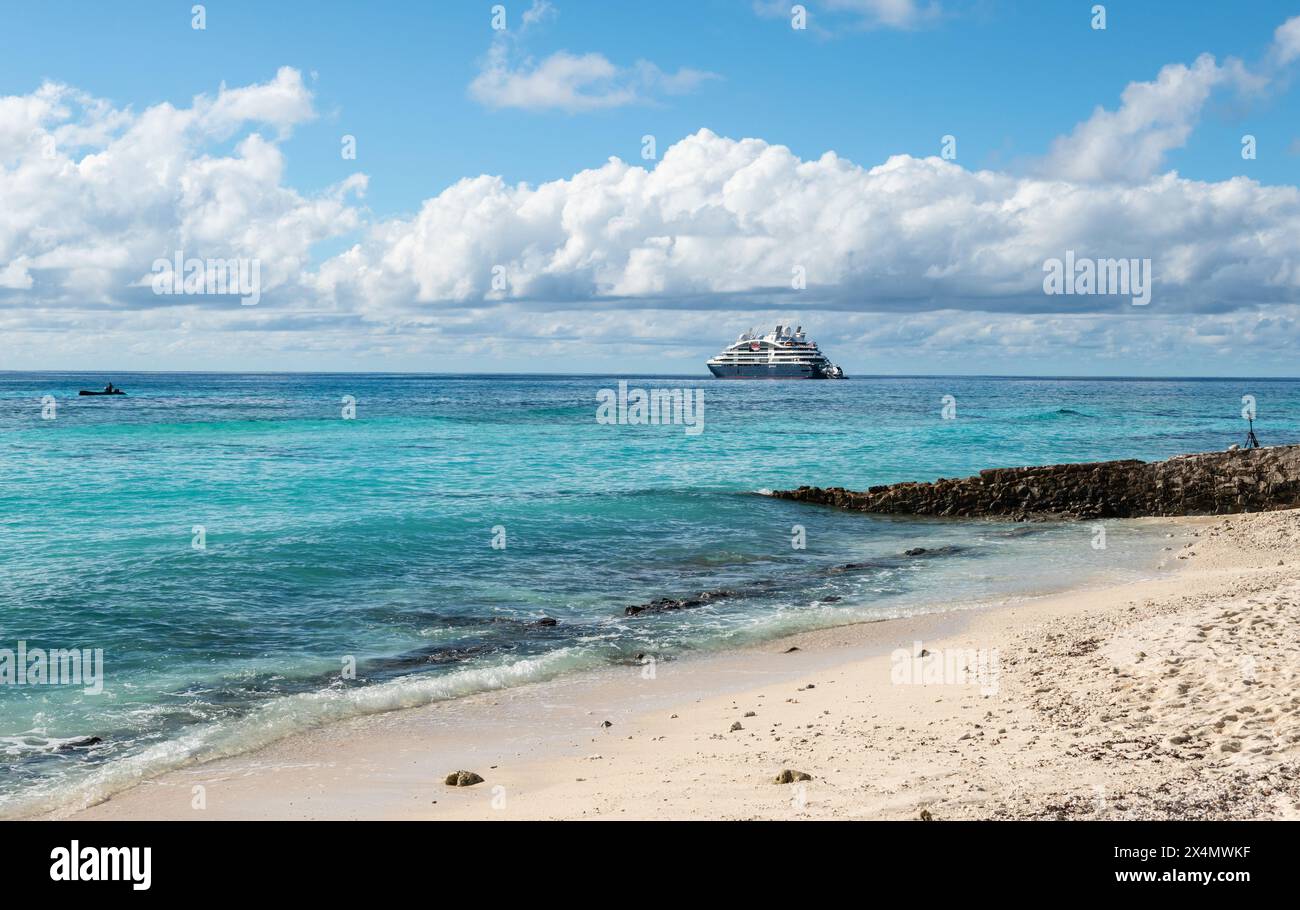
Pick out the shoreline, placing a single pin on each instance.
(1079, 725)
(299, 714)
(542, 720)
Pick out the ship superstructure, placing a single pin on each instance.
(783, 354)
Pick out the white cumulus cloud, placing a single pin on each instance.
(719, 220)
(1153, 119)
(93, 195)
(1286, 41)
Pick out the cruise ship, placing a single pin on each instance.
(783, 354)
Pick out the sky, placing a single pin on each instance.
(585, 187)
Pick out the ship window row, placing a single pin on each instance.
(763, 358)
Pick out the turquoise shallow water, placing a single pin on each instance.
(371, 538)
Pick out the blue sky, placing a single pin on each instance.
(867, 80)
(1004, 77)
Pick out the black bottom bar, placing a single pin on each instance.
(653, 860)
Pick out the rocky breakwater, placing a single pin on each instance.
(1209, 483)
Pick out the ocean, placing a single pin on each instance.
(254, 554)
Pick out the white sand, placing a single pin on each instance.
(1174, 698)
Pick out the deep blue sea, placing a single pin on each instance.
(232, 543)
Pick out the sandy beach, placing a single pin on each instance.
(1169, 698)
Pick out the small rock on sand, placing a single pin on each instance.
(788, 777)
(463, 779)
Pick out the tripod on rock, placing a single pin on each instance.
(1252, 442)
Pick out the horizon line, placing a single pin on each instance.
(650, 375)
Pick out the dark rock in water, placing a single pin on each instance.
(1208, 483)
(947, 550)
(788, 777)
(81, 743)
(854, 566)
(463, 779)
(1020, 531)
(547, 621)
(831, 598)
(665, 604)
(437, 654)
(887, 562)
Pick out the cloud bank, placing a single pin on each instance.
(920, 252)
(719, 219)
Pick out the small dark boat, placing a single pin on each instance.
(114, 392)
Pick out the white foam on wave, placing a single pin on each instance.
(277, 719)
